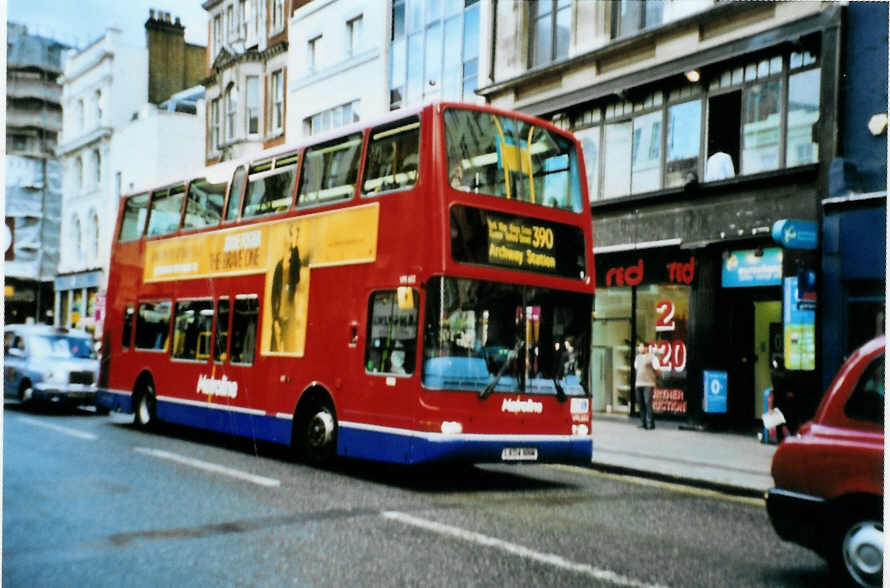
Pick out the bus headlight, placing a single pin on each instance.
(580, 430)
(452, 428)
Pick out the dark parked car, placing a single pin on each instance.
(55, 365)
(829, 477)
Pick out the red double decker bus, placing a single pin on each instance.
(414, 290)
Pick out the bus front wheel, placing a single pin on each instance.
(144, 407)
(317, 432)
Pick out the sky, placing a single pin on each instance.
(79, 22)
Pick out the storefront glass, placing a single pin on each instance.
(612, 353)
(662, 321)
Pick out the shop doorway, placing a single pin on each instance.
(752, 314)
(611, 361)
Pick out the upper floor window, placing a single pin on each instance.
(277, 15)
(550, 30)
(756, 115)
(242, 18)
(97, 167)
(313, 53)
(253, 105)
(231, 111)
(434, 51)
(80, 115)
(214, 125)
(277, 118)
(354, 30)
(100, 106)
(633, 16)
(217, 33)
(230, 23)
(332, 118)
(78, 173)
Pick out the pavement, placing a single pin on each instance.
(728, 462)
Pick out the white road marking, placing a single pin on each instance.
(209, 467)
(60, 429)
(512, 548)
(682, 488)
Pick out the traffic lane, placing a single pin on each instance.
(373, 486)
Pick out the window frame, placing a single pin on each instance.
(391, 129)
(256, 338)
(215, 353)
(369, 318)
(276, 98)
(552, 15)
(163, 349)
(166, 192)
(252, 111)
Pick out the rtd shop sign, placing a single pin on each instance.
(654, 269)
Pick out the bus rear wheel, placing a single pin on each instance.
(316, 434)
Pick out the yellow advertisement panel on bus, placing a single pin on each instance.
(285, 250)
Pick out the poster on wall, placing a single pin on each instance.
(799, 324)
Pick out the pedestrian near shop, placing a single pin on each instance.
(645, 365)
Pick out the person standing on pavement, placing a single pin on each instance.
(645, 365)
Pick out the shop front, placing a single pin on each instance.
(76, 297)
(642, 296)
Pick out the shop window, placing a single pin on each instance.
(191, 329)
(590, 145)
(153, 325)
(683, 143)
(221, 342)
(803, 114)
(645, 173)
(127, 333)
(724, 139)
(393, 157)
(760, 131)
(612, 350)
(330, 170)
(166, 210)
(392, 332)
(616, 160)
(244, 324)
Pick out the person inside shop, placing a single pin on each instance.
(645, 366)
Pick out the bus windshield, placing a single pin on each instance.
(521, 338)
(507, 157)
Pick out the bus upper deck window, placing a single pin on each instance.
(135, 213)
(393, 157)
(511, 158)
(204, 205)
(269, 191)
(166, 210)
(330, 170)
(235, 193)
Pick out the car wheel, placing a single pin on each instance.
(859, 558)
(26, 393)
(144, 410)
(318, 432)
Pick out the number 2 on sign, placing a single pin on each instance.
(664, 320)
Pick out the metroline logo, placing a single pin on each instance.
(213, 387)
(522, 406)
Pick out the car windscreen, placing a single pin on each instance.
(61, 346)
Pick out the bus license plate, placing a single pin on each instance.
(519, 454)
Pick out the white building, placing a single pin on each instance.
(337, 65)
(99, 94)
(112, 140)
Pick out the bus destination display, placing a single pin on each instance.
(505, 240)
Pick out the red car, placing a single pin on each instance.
(829, 477)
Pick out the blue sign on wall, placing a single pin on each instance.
(753, 267)
(715, 384)
(793, 233)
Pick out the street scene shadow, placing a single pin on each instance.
(433, 478)
(49, 409)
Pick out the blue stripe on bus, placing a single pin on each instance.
(381, 445)
(410, 449)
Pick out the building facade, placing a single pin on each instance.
(704, 125)
(246, 76)
(33, 174)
